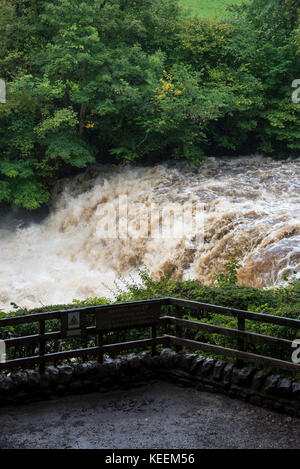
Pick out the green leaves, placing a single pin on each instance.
(30, 195)
(230, 276)
(62, 119)
(128, 79)
(69, 148)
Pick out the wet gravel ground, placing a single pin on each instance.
(157, 416)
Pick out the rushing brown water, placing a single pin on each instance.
(251, 213)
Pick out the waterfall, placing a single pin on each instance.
(251, 212)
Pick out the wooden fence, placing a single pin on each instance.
(140, 315)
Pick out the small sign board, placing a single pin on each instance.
(127, 317)
(71, 323)
(74, 320)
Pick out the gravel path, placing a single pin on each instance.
(157, 416)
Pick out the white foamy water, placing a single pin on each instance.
(252, 213)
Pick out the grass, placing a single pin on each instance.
(209, 8)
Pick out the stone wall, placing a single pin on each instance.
(258, 387)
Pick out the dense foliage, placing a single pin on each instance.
(120, 80)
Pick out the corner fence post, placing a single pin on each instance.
(240, 342)
(42, 348)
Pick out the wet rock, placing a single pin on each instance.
(119, 364)
(65, 374)
(167, 358)
(218, 369)
(53, 374)
(196, 363)
(101, 370)
(242, 376)
(89, 368)
(284, 386)
(154, 362)
(180, 377)
(185, 361)
(33, 378)
(134, 363)
(227, 373)
(206, 367)
(296, 389)
(243, 394)
(271, 382)
(6, 383)
(145, 359)
(20, 379)
(259, 379)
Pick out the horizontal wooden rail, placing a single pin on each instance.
(47, 316)
(91, 351)
(260, 317)
(30, 318)
(189, 304)
(228, 352)
(235, 333)
(35, 338)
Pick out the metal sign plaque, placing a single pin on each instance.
(74, 320)
(71, 323)
(127, 317)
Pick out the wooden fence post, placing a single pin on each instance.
(42, 345)
(167, 328)
(153, 336)
(83, 325)
(178, 329)
(100, 345)
(240, 342)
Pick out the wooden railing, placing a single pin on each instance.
(111, 318)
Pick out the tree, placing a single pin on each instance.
(122, 80)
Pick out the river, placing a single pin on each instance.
(251, 212)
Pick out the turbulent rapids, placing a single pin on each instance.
(251, 213)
